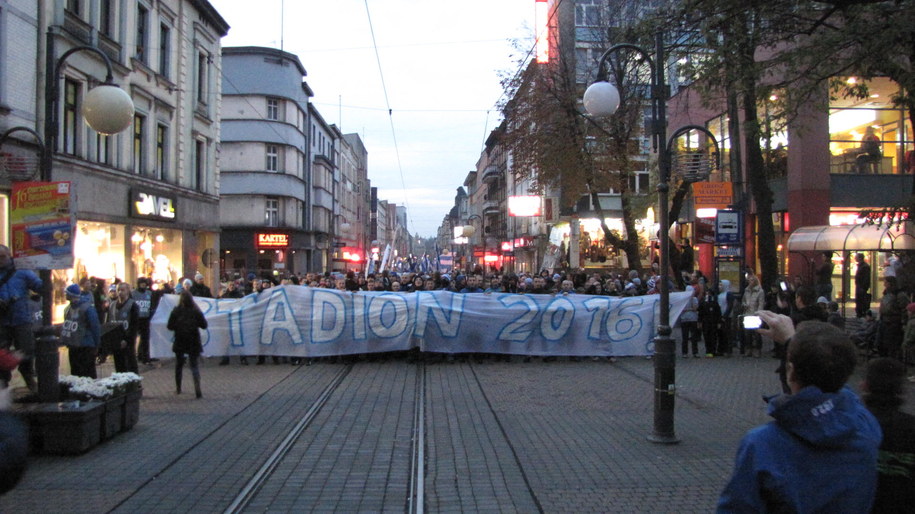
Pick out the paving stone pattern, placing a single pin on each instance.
(501, 437)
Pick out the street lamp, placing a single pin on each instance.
(603, 99)
(468, 231)
(107, 109)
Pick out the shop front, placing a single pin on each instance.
(593, 252)
(263, 251)
(151, 241)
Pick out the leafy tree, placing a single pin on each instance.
(554, 143)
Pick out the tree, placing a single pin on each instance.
(551, 141)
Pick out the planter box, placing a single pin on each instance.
(113, 417)
(68, 431)
(131, 413)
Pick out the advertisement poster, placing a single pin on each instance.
(42, 220)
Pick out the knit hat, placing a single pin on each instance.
(198, 276)
(74, 290)
(822, 299)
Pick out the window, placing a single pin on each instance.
(273, 109)
(71, 108)
(638, 183)
(587, 14)
(102, 149)
(106, 18)
(142, 33)
(202, 77)
(74, 6)
(200, 157)
(164, 49)
(139, 134)
(161, 148)
(272, 213)
(273, 158)
(869, 134)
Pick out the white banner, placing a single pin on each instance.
(309, 322)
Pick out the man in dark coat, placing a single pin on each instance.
(862, 286)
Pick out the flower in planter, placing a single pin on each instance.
(121, 383)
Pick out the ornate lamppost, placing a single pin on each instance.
(602, 99)
(107, 109)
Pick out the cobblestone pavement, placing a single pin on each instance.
(499, 437)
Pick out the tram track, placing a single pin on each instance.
(263, 473)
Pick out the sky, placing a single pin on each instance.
(441, 63)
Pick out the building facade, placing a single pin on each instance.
(146, 199)
(265, 186)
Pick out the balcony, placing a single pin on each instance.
(492, 173)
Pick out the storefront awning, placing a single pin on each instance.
(853, 238)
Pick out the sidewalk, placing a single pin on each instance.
(501, 437)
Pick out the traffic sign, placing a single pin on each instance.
(729, 228)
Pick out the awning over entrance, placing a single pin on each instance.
(852, 238)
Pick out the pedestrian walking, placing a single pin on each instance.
(185, 321)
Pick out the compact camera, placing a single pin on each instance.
(752, 322)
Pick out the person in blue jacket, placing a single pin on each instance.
(15, 315)
(81, 332)
(820, 452)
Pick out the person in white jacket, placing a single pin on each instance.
(754, 300)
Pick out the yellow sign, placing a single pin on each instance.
(716, 195)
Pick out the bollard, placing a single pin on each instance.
(47, 364)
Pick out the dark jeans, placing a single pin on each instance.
(20, 338)
(690, 332)
(143, 330)
(862, 302)
(82, 361)
(194, 364)
(125, 359)
(710, 336)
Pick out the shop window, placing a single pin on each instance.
(156, 253)
(867, 133)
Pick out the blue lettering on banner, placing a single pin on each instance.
(307, 322)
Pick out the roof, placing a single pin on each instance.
(883, 237)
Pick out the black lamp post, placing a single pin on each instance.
(468, 231)
(602, 99)
(108, 109)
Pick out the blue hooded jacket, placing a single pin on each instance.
(819, 455)
(16, 293)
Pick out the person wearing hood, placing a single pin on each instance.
(81, 332)
(819, 454)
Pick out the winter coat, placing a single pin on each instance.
(896, 462)
(818, 455)
(185, 323)
(15, 292)
(81, 324)
(754, 300)
(710, 311)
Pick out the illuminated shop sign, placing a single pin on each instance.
(144, 204)
(271, 240)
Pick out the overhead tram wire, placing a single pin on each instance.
(390, 117)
